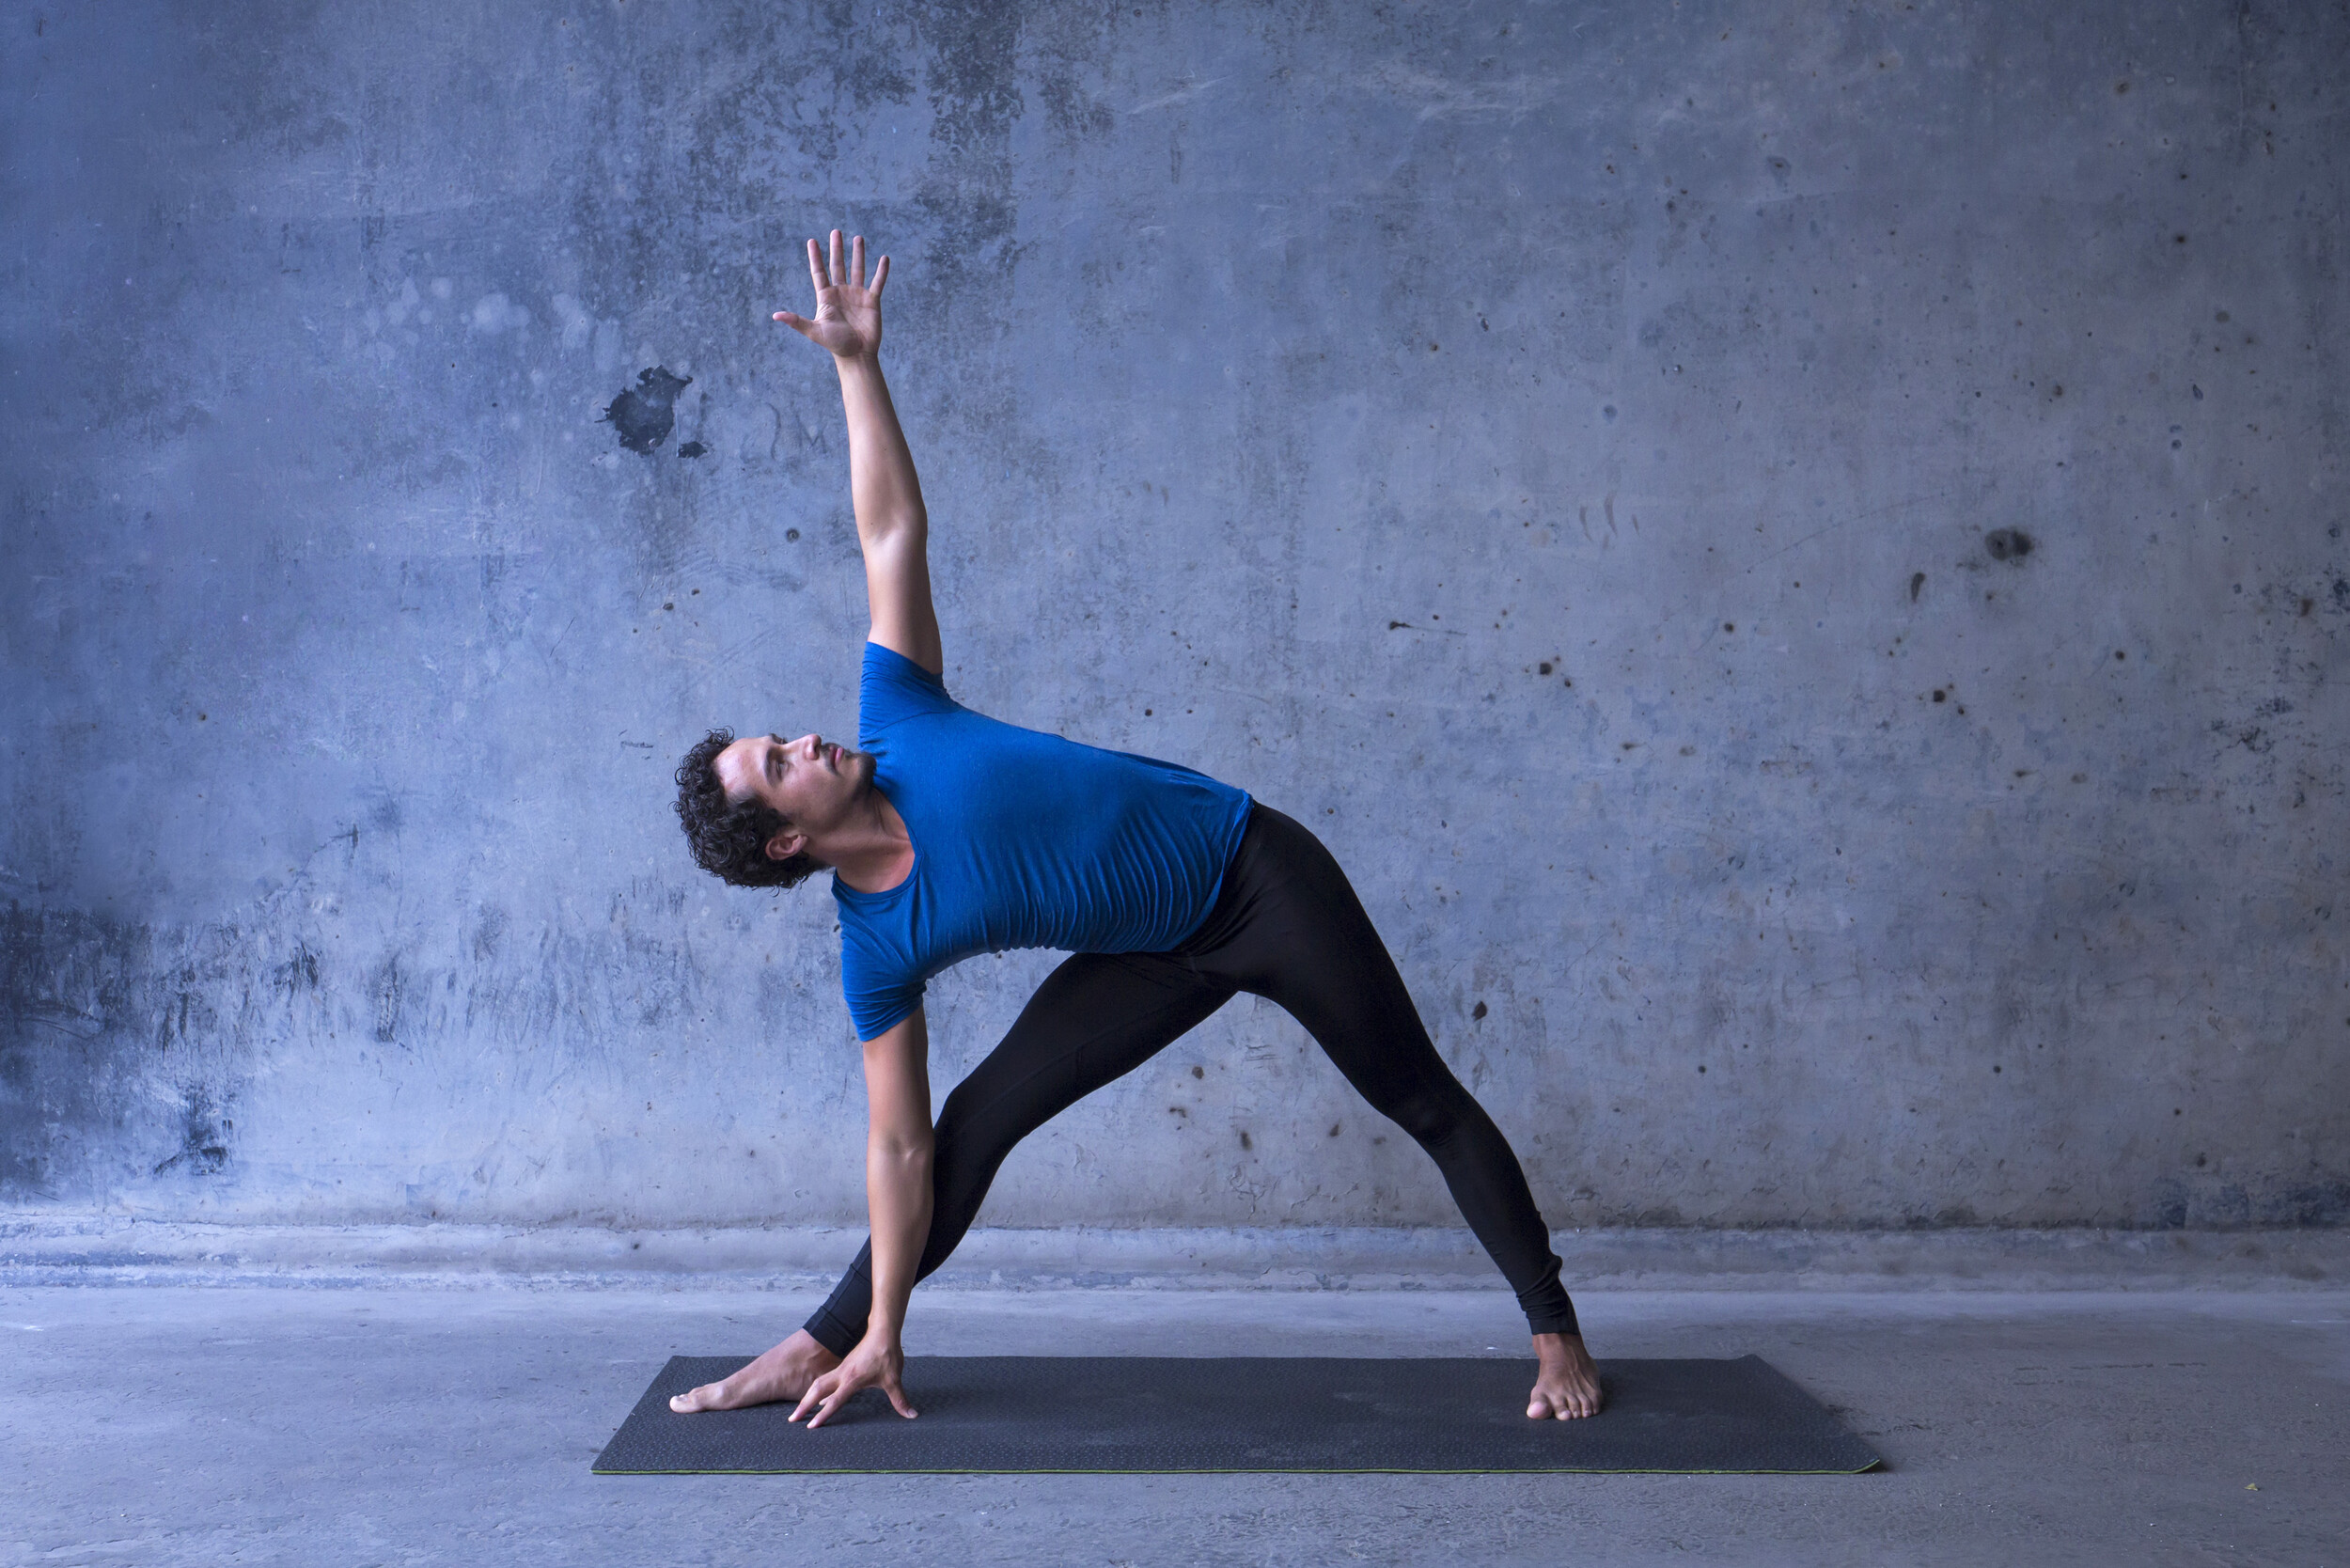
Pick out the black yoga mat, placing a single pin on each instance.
(1166, 1415)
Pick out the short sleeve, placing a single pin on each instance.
(878, 1000)
(893, 688)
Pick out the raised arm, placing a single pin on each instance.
(891, 525)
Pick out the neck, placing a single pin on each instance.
(873, 851)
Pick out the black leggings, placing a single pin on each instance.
(1286, 926)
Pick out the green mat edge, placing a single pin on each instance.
(1520, 1471)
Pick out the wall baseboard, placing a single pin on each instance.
(41, 1249)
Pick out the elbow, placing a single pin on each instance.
(907, 1149)
(898, 529)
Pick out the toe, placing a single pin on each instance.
(706, 1397)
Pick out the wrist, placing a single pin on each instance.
(857, 363)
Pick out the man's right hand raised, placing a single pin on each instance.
(848, 310)
(891, 527)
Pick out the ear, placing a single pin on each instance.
(786, 844)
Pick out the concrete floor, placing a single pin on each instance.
(396, 1425)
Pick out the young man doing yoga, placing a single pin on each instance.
(949, 833)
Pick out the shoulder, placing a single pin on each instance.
(892, 686)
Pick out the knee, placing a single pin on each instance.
(1432, 1114)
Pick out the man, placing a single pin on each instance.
(949, 833)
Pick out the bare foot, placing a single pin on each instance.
(783, 1373)
(1568, 1385)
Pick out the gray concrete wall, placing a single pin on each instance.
(1579, 458)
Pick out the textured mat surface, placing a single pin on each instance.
(1162, 1415)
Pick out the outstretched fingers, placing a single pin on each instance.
(819, 1395)
(830, 1395)
(846, 319)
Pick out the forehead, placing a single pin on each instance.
(738, 765)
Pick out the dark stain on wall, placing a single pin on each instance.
(127, 1049)
(390, 990)
(203, 1135)
(61, 983)
(300, 971)
(122, 1048)
(2005, 544)
(645, 414)
(2269, 1200)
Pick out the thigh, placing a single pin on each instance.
(1096, 1018)
(1306, 943)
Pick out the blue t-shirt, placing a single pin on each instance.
(1021, 839)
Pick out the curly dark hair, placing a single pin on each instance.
(729, 838)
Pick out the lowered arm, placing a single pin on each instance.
(897, 1150)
